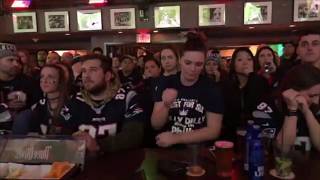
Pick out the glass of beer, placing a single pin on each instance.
(224, 154)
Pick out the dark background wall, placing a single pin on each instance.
(233, 33)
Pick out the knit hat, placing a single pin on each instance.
(214, 56)
(7, 50)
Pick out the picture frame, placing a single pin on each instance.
(57, 21)
(212, 15)
(24, 22)
(89, 20)
(258, 13)
(167, 16)
(123, 18)
(306, 10)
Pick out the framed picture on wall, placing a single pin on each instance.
(89, 20)
(258, 12)
(306, 10)
(211, 15)
(123, 18)
(167, 16)
(24, 22)
(57, 21)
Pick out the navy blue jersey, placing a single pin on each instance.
(188, 111)
(104, 119)
(273, 118)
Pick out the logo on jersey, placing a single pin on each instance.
(65, 113)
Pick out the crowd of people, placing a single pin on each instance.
(178, 98)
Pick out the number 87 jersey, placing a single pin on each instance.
(101, 119)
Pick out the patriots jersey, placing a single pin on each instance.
(270, 118)
(105, 119)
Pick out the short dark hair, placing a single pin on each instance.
(306, 33)
(150, 58)
(132, 58)
(290, 42)
(97, 49)
(105, 62)
(44, 50)
(301, 77)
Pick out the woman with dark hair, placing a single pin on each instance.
(188, 106)
(45, 113)
(242, 91)
(267, 65)
(152, 71)
(169, 61)
(300, 93)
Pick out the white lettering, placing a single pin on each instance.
(31, 154)
(199, 108)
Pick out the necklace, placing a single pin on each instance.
(54, 98)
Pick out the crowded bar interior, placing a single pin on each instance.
(160, 89)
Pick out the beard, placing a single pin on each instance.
(97, 89)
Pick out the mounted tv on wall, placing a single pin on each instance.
(167, 16)
(258, 12)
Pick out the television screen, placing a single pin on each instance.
(167, 16)
(257, 12)
(89, 20)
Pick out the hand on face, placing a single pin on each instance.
(289, 97)
(302, 103)
(165, 139)
(169, 95)
(91, 143)
(17, 100)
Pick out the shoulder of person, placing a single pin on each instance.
(78, 97)
(41, 103)
(256, 79)
(169, 81)
(267, 105)
(207, 82)
(125, 92)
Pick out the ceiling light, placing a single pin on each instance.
(21, 4)
(155, 31)
(120, 32)
(67, 34)
(292, 25)
(97, 1)
(251, 27)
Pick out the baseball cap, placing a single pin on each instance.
(7, 49)
(214, 56)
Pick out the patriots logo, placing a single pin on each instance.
(65, 113)
(269, 132)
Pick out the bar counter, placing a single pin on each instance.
(142, 164)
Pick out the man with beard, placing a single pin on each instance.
(17, 91)
(104, 114)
